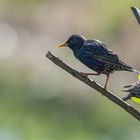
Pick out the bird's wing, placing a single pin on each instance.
(99, 51)
(135, 91)
(134, 88)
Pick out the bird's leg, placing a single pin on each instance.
(87, 74)
(107, 78)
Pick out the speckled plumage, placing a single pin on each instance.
(96, 56)
(133, 89)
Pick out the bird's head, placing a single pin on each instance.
(74, 42)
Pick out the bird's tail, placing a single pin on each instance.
(127, 67)
(136, 71)
(131, 69)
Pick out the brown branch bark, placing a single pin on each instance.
(94, 85)
(136, 13)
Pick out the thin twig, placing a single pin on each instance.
(94, 85)
(136, 13)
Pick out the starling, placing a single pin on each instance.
(134, 92)
(96, 56)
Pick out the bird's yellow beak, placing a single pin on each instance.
(63, 45)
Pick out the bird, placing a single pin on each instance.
(96, 56)
(134, 92)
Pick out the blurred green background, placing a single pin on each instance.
(38, 100)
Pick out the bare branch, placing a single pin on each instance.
(136, 13)
(94, 85)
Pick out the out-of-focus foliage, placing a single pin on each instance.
(38, 100)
